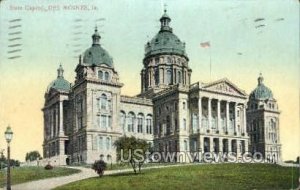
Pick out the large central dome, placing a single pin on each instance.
(165, 42)
(96, 55)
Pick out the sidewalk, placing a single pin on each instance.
(50, 183)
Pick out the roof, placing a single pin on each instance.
(261, 92)
(59, 83)
(165, 41)
(96, 55)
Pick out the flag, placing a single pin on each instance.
(205, 44)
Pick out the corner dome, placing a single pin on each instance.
(165, 42)
(261, 92)
(96, 55)
(60, 83)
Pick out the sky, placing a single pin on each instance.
(50, 34)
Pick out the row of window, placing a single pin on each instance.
(104, 121)
(103, 75)
(104, 143)
(167, 108)
(128, 123)
(103, 102)
(169, 76)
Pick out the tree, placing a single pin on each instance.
(99, 166)
(33, 155)
(132, 150)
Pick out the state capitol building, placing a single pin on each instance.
(82, 120)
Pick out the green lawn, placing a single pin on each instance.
(24, 174)
(198, 177)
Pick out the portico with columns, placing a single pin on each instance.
(221, 117)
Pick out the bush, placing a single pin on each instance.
(99, 166)
(48, 167)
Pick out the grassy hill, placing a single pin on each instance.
(213, 176)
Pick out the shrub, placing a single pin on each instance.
(48, 167)
(99, 166)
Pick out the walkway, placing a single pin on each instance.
(50, 183)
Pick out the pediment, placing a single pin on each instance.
(224, 86)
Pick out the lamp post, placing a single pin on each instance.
(8, 136)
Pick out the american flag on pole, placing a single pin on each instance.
(205, 44)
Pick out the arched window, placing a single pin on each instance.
(100, 143)
(184, 124)
(104, 101)
(157, 61)
(140, 123)
(100, 75)
(169, 77)
(106, 76)
(101, 156)
(169, 60)
(156, 76)
(149, 124)
(122, 120)
(185, 145)
(130, 122)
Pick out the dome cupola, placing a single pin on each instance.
(96, 55)
(165, 41)
(261, 92)
(60, 83)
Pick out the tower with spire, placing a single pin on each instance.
(263, 122)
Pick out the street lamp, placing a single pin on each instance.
(8, 136)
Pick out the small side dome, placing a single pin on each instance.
(60, 83)
(96, 55)
(261, 92)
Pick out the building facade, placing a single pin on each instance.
(82, 121)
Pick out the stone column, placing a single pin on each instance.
(244, 120)
(227, 116)
(219, 116)
(51, 123)
(209, 113)
(200, 112)
(220, 144)
(235, 117)
(149, 78)
(211, 144)
(61, 120)
(229, 145)
(142, 81)
(246, 145)
(56, 121)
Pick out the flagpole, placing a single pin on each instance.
(209, 64)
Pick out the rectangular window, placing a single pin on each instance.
(109, 121)
(103, 121)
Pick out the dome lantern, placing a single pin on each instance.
(165, 22)
(60, 72)
(260, 79)
(96, 37)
